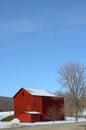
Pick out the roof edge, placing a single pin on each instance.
(18, 92)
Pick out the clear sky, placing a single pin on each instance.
(36, 38)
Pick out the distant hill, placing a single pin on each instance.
(6, 103)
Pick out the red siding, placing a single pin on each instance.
(35, 118)
(49, 102)
(22, 103)
(37, 103)
(25, 117)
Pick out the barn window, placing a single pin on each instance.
(22, 93)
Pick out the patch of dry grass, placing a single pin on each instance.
(71, 126)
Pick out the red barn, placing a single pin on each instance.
(34, 105)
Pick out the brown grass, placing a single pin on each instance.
(71, 126)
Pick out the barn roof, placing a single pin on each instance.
(39, 92)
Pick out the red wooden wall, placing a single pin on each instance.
(49, 103)
(37, 103)
(25, 117)
(23, 101)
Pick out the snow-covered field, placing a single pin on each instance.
(5, 114)
(7, 124)
(15, 122)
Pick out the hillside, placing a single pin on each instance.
(6, 103)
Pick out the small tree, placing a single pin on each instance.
(72, 77)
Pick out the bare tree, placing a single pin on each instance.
(72, 76)
(60, 93)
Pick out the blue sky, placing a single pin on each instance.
(36, 38)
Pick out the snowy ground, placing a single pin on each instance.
(15, 122)
(5, 114)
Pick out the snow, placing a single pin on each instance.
(83, 113)
(33, 112)
(68, 120)
(5, 114)
(6, 124)
(39, 92)
(15, 122)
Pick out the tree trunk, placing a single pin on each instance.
(76, 117)
(76, 114)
